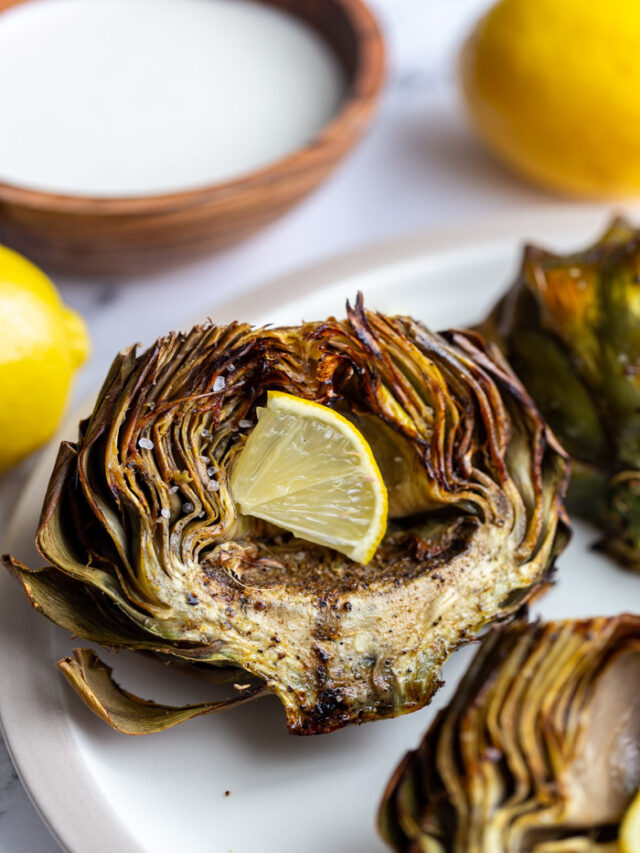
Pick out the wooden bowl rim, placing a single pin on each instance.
(361, 94)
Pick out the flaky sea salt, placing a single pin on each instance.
(213, 486)
(146, 443)
(165, 513)
(219, 383)
(244, 423)
(187, 506)
(173, 490)
(211, 472)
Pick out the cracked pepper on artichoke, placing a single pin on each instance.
(538, 751)
(570, 328)
(148, 550)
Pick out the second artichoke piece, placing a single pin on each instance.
(539, 751)
(147, 549)
(570, 328)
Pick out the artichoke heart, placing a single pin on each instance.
(570, 328)
(538, 752)
(147, 550)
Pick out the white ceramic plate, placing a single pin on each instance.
(107, 793)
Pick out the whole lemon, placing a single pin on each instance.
(42, 343)
(553, 87)
(630, 828)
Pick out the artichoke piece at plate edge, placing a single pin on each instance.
(146, 549)
(538, 751)
(570, 328)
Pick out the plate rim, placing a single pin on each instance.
(67, 797)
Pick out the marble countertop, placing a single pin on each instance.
(418, 167)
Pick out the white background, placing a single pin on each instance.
(418, 166)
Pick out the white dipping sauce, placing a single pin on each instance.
(136, 97)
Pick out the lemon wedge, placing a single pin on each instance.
(307, 469)
(630, 828)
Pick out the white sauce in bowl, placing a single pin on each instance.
(139, 97)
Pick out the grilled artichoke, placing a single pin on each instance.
(570, 328)
(144, 554)
(539, 750)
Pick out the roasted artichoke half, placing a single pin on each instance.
(570, 328)
(144, 554)
(538, 752)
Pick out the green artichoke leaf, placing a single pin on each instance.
(558, 390)
(570, 327)
(92, 681)
(81, 610)
(145, 547)
(539, 748)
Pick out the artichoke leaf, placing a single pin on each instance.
(91, 680)
(79, 610)
(570, 327)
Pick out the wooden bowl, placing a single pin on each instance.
(114, 236)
